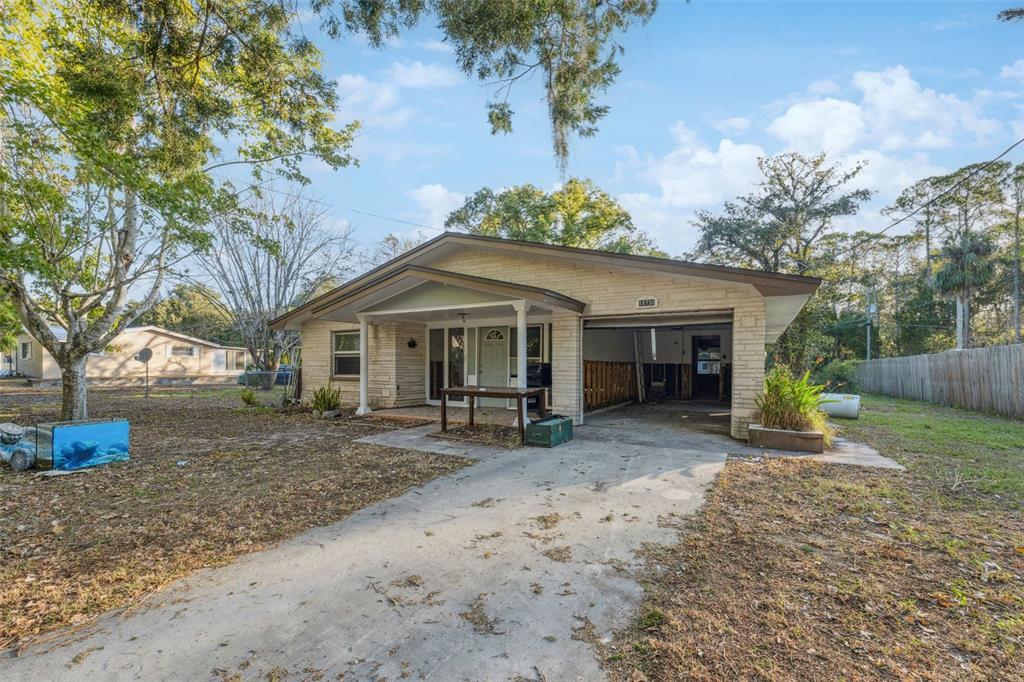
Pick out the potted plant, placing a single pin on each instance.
(326, 402)
(791, 415)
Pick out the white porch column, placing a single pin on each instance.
(364, 366)
(520, 307)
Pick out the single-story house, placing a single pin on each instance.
(176, 358)
(467, 310)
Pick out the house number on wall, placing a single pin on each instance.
(647, 303)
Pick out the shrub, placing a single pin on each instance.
(325, 399)
(793, 404)
(249, 397)
(839, 376)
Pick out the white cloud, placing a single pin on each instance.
(828, 124)
(890, 121)
(894, 112)
(419, 75)
(823, 87)
(376, 104)
(734, 124)
(435, 46)
(1014, 71)
(692, 176)
(437, 201)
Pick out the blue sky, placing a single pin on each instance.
(707, 87)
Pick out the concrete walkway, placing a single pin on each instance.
(455, 580)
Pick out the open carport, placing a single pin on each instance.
(675, 367)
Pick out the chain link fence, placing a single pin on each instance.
(284, 385)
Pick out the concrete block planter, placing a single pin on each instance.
(781, 439)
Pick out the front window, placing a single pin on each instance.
(346, 354)
(26, 350)
(182, 351)
(236, 360)
(456, 357)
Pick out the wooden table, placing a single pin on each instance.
(520, 395)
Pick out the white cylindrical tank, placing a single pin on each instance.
(843, 405)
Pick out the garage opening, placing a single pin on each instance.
(676, 369)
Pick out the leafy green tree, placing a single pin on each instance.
(926, 222)
(578, 214)
(570, 43)
(196, 310)
(1015, 211)
(10, 327)
(969, 199)
(968, 266)
(114, 117)
(789, 225)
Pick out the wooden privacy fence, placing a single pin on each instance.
(985, 379)
(608, 383)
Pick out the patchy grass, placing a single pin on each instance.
(978, 452)
(800, 570)
(207, 482)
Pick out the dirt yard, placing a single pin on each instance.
(208, 480)
(797, 570)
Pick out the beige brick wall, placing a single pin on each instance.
(566, 356)
(611, 291)
(397, 373)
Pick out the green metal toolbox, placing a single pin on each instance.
(549, 432)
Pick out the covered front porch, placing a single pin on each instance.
(422, 331)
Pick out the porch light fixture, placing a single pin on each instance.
(411, 343)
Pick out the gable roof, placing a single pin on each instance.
(61, 335)
(767, 283)
(152, 328)
(358, 288)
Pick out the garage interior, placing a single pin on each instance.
(681, 364)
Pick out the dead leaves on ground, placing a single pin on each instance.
(73, 547)
(798, 570)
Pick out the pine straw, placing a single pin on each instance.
(74, 547)
(799, 570)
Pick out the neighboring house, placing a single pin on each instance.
(460, 309)
(176, 358)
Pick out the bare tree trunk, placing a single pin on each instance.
(73, 406)
(961, 314)
(928, 245)
(1016, 276)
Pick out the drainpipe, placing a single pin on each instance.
(364, 366)
(520, 307)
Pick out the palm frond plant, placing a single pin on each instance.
(325, 399)
(793, 404)
(969, 265)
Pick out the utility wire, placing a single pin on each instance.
(339, 207)
(933, 199)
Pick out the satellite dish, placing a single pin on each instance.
(144, 355)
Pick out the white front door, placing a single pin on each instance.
(493, 361)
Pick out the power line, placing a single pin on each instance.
(935, 198)
(341, 208)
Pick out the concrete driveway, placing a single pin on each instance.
(458, 579)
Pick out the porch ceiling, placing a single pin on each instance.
(425, 294)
